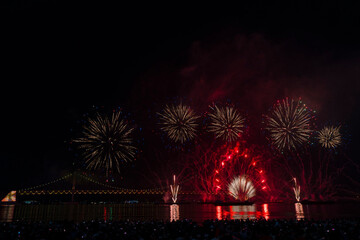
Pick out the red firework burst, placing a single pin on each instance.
(216, 169)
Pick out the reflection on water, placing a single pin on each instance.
(218, 212)
(266, 213)
(243, 212)
(108, 213)
(299, 210)
(196, 212)
(7, 213)
(174, 212)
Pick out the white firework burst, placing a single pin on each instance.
(179, 122)
(329, 137)
(289, 124)
(226, 123)
(106, 142)
(241, 188)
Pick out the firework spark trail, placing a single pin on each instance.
(174, 190)
(241, 188)
(296, 190)
(313, 171)
(214, 169)
(226, 123)
(241, 161)
(288, 124)
(179, 122)
(107, 142)
(202, 163)
(329, 137)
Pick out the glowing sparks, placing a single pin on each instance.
(265, 211)
(296, 190)
(241, 188)
(330, 137)
(174, 190)
(299, 211)
(288, 124)
(107, 142)
(226, 123)
(179, 122)
(174, 212)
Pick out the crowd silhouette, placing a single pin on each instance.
(185, 229)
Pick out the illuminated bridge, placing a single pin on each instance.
(81, 188)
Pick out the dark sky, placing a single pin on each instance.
(60, 58)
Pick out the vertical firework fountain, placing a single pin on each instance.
(174, 190)
(296, 189)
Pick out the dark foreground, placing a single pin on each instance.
(185, 229)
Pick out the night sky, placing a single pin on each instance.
(60, 59)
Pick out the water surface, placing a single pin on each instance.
(196, 212)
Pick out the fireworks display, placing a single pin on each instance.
(215, 169)
(106, 142)
(288, 124)
(329, 137)
(241, 188)
(179, 122)
(234, 169)
(226, 123)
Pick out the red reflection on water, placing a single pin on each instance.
(108, 213)
(243, 212)
(218, 212)
(265, 212)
